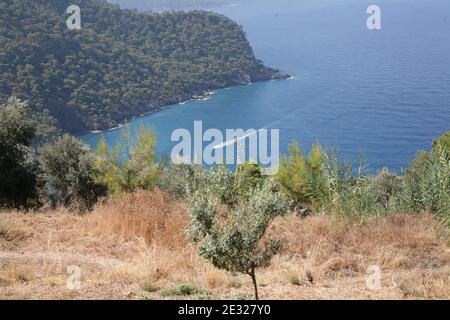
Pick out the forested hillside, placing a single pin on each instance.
(158, 5)
(120, 64)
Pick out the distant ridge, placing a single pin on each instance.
(161, 5)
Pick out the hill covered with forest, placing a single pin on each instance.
(160, 5)
(121, 63)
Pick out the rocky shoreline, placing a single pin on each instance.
(264, 74)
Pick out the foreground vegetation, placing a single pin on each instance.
(229, 214)
(134, 247)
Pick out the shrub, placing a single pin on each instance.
(301, 176)
(339, 175)
(427, 185)
(385, 186)
(17, 162)
(182, 290)
(127, 170)
(353, 194)
(295, 280)
(441, 146)
(183, 180)
(179, 180)
(369, 197)
(232, 234)
(67, 168)
(249, 176)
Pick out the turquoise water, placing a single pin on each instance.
(385, 92)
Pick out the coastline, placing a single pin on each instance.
(206, 95)
(120, 126)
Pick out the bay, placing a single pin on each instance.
(383, 92)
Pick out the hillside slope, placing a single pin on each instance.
(120, 64)
(161, 5)
(128, 249)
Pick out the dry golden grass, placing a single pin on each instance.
(134, 247)
(151, 216)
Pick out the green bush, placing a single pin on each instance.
(249, 176)
(353, 194)
(386, 186)
(301, 176)
(129, 169)
(17, 161)
(182, 290)
(427, 185)
(339, 176)
(441, 146)
(183, 180)
(67, 169)
(180, 180)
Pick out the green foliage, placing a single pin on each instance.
(249, 176)
(127, 170)
(301, 176)
(231, 228)
(355, 195)
(46, 127)
(67, 167)
(153, 5)
(441, 146)
(349, 194)
(295, 280)
(180, 180)
(241, 297)
(339, 175)
(183, 180)
(408, 291)
(385, 186)
(182, 290)
(17, 164)
(121, 63)
(427, 185)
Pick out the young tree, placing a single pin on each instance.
(233, 238)
(129, 169)
(67, 168)
(17, 162)
(301, 176)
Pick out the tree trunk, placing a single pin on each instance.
(255, 285)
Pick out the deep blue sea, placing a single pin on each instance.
(384, 92)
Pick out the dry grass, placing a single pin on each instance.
(133, 247)
(151, 216)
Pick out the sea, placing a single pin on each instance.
(384, 92)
